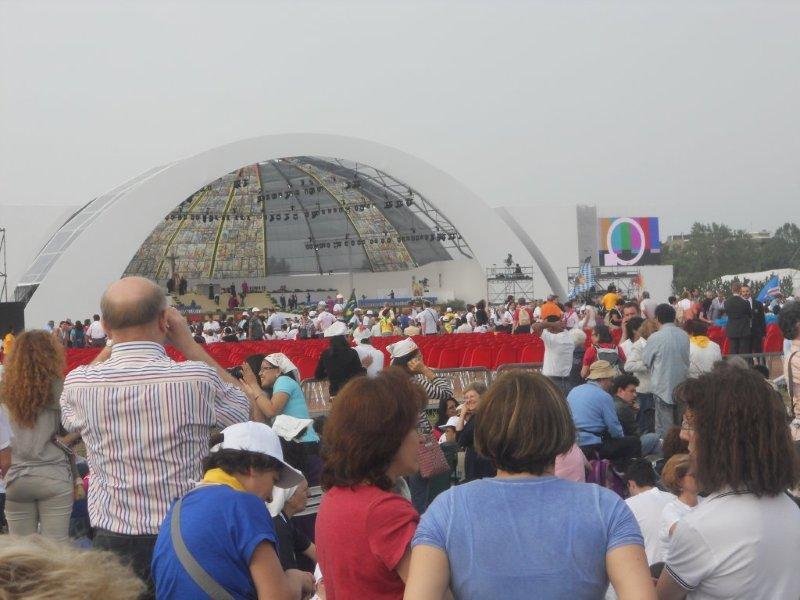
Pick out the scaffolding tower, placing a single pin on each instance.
(627, 280)
(502, 282)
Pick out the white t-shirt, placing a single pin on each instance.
(647, 508)
(427, 320)
(464, 328)
(365, 350)
(685, 303)
(736, 545)
(671, 514)
(96, 331)
(324, 320)
(5, 439)
(558, 349)
(572, 320)
(701, 360)
(375, 330)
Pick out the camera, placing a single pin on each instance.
(236, 372)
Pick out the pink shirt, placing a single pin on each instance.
(572, 465)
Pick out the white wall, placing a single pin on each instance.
(658, 281)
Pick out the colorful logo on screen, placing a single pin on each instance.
(626, 241)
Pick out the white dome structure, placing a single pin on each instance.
(271, 205)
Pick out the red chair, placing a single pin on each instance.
(450, 358)
(530, 354)
(506, 355)
(480, 357)
(306, 365)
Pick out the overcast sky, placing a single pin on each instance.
(682, 110)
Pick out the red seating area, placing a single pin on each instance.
(439, 351)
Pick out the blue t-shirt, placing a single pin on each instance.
(530, 538)
(295, 405)
(221, 528)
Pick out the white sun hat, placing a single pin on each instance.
(337, 328)
(259, 437)
(401, 348)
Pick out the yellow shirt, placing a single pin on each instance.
(8, 343)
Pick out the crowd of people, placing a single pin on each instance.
(197, 475)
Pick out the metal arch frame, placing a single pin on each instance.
(123, 218)
(427, 209)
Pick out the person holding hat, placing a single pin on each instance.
(338, 363)
(371, 358)
(599, 430)
(218, 540)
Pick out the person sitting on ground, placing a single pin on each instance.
(524, 425)
(599, 429)
(679, 480)
(338, 363)
(623, 389)
(293, 545)
(602, 348)
(406, 355)
(475, 465)
(372, 359)
(647, 503)
(275, 390)
(703, 353)
(223, 529)
(36, 567)
(363, 528)
(742, 541)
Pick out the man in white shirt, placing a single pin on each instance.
(646, 503)
(324, 318)
(96, 333)
(648, 306)
(558, 348)
(275, 319)
(428, 320)
(371, 358)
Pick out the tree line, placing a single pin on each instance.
(713, 250)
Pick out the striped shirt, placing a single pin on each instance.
(146, 422)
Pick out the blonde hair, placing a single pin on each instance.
(648, 328)
(35, 568)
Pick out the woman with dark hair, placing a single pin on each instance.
(475, 465)
(527, 534)
(363, 529)
(338, 363)
(703, 353)
(742, 542)
(39, 482)
(223, 529)
(481, 316)
(78, 335)
(602, 348)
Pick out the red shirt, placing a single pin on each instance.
(362, 534)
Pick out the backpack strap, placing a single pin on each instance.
(198, 574)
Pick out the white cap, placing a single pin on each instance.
(362, 333)
(449, 309)
(337, 308)
(289, 427)
(337, 328)
(245, 314)
(339, 296)
(312, 313)
(370, 313)
(402, 348)
(321, 303)
(258, 437)
(284, 363)
(451, 422)
(255, 309)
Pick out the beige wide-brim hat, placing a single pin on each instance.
(602, 369)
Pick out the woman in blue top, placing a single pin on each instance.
(525, 533)
(276, 391)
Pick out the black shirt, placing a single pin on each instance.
(338, 367)
(291, 542)
(475, 465)
(627, 417)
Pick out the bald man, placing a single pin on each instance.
(145, 419)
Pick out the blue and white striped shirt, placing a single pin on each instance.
(146, 422)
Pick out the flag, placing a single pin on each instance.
(771, 289)
(584, 281)
(351, 305)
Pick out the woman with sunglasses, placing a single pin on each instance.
(276, 391)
